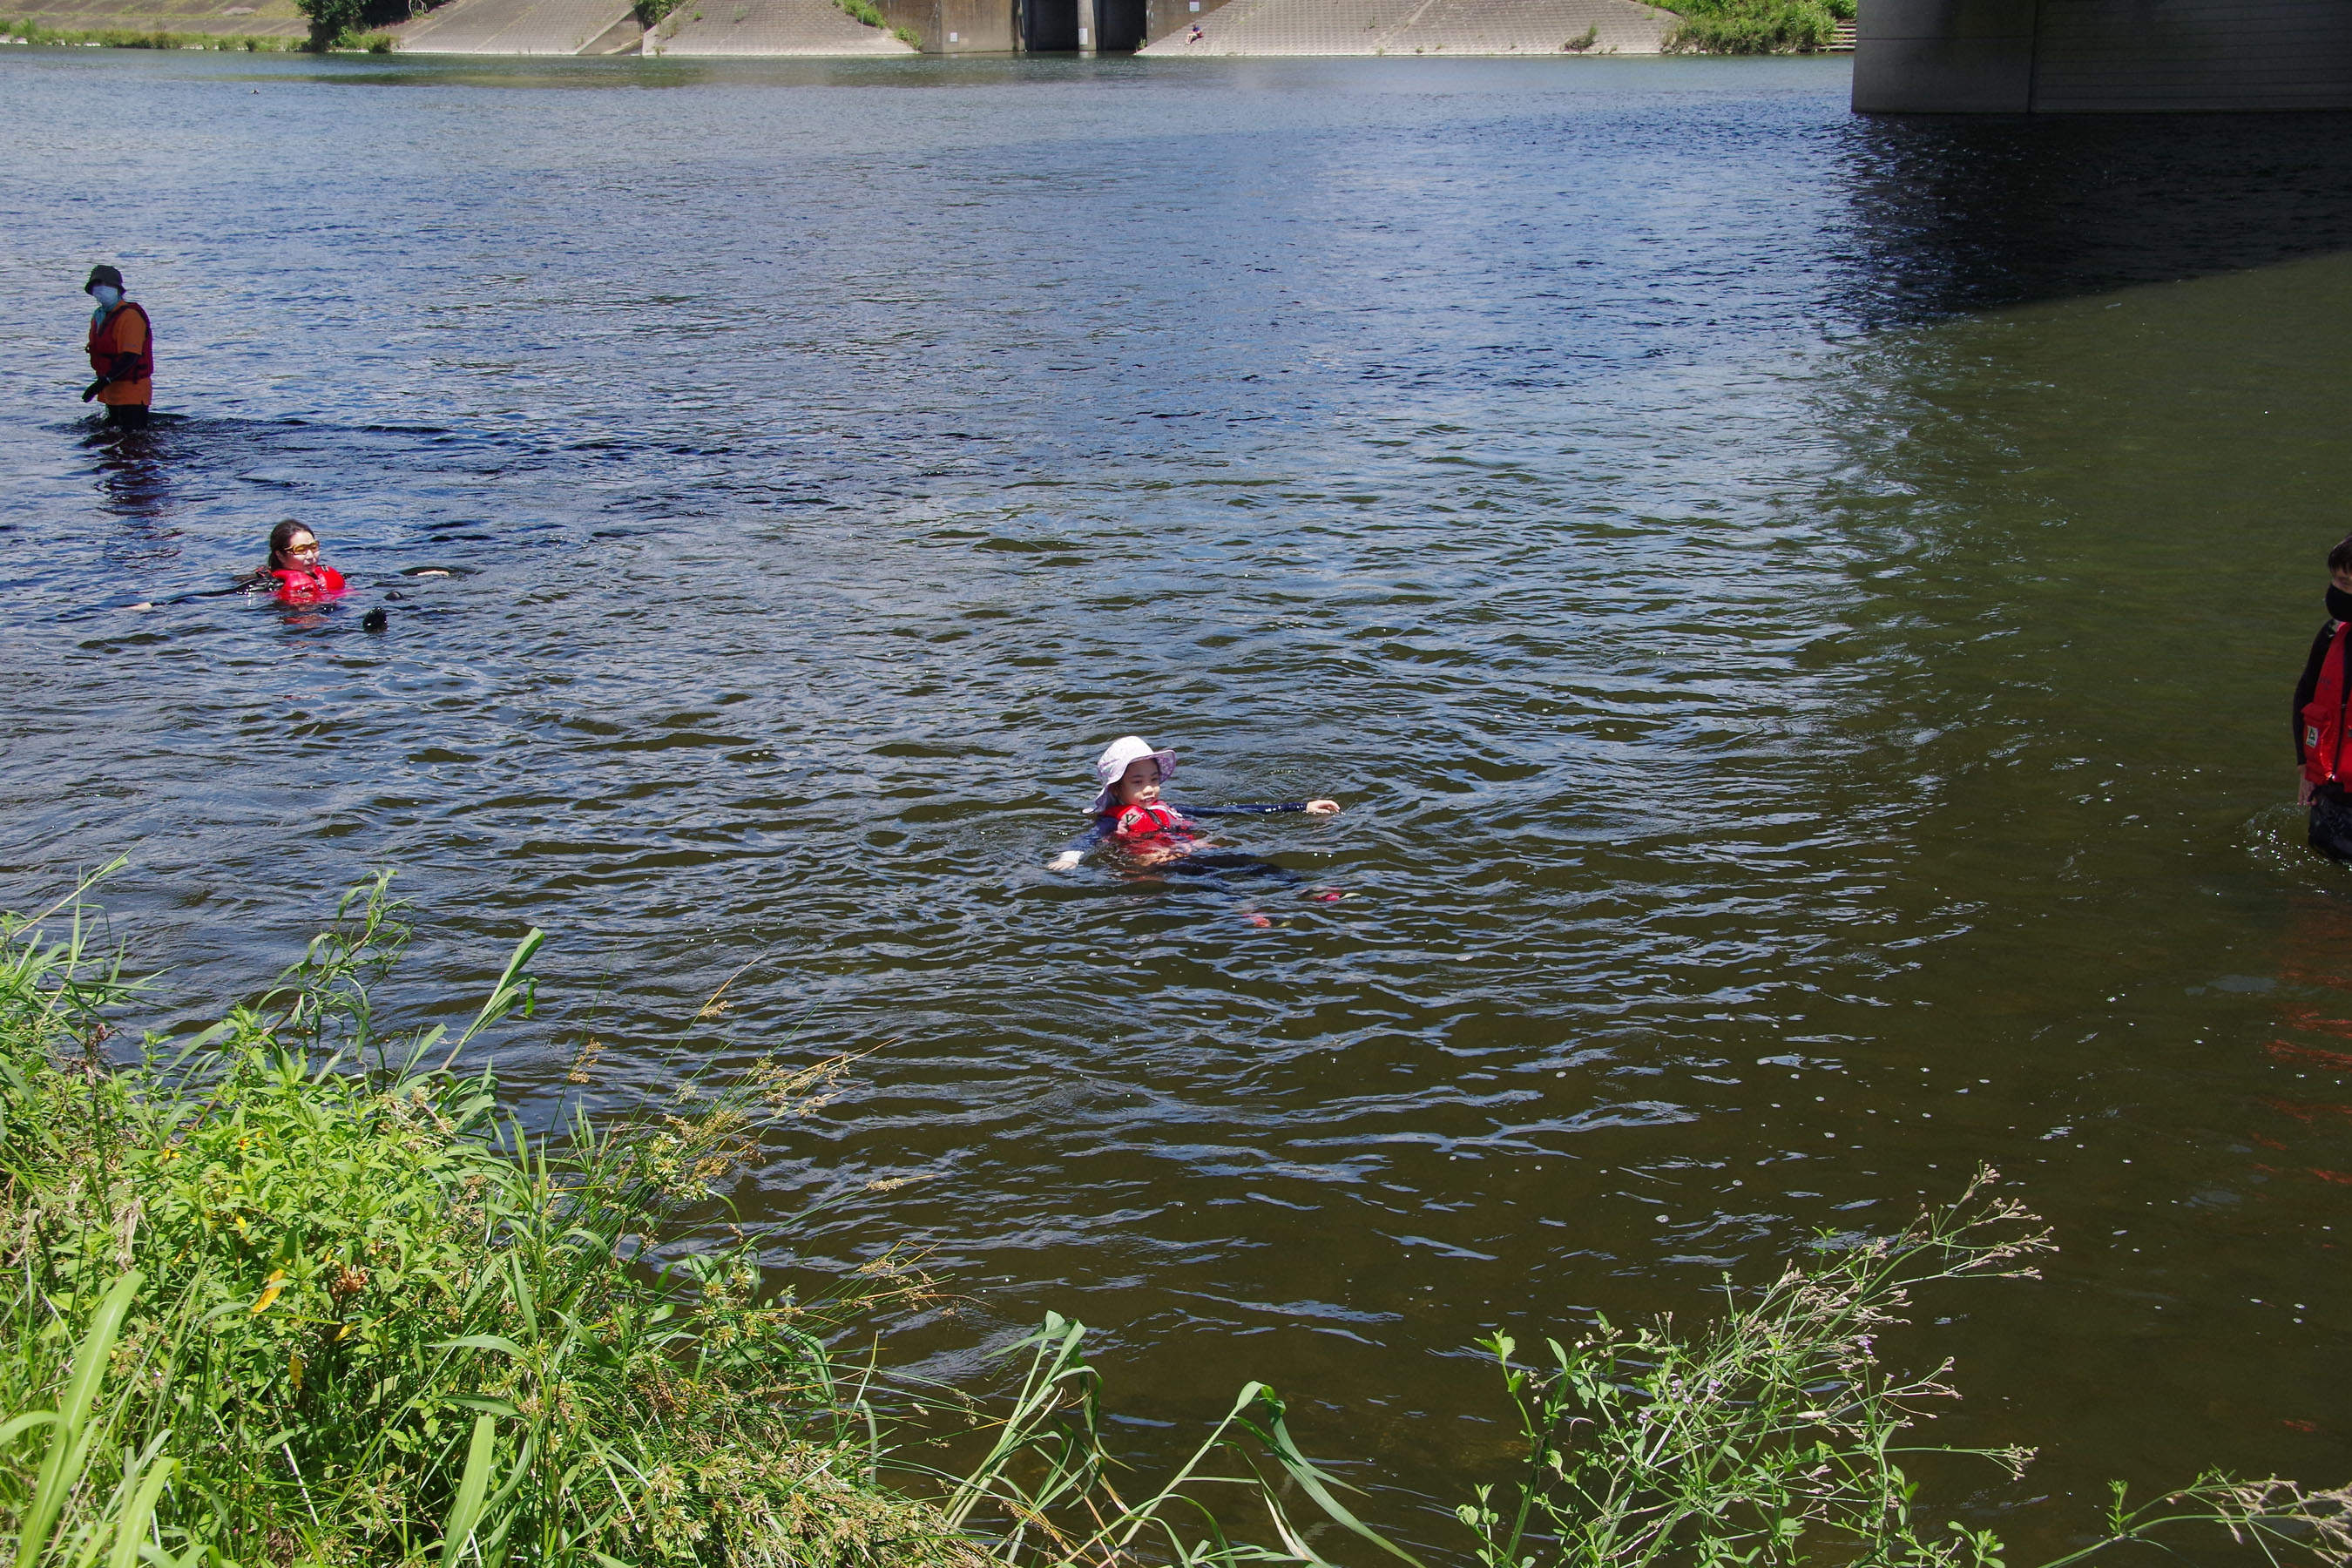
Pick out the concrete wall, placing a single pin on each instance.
(993, 26)
(2092, 56)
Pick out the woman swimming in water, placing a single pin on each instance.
(1128, 812)
(295, 572)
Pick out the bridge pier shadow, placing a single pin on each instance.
(1957, 214)
(2101, 56)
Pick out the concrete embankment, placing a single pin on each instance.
(611, 27)
(766, 27)
(1425, 28)
(522, 28)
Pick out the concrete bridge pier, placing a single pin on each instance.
(2101, 56)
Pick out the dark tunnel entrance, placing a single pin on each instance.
(1121, 24)
(1049, 26)
(1052, 26)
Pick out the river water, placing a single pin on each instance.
(1799, 611)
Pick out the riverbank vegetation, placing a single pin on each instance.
(868, 13)
(32, 32)
(292, 1292)
(1756, 27)
(297, 1290)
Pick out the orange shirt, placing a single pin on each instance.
(126, 331)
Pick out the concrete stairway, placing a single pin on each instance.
(1425, 28)
(522, 28)
(767, 27)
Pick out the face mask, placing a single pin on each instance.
(2339, 604)
(108, 296)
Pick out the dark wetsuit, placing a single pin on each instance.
(2331, 811)
(1201, 863)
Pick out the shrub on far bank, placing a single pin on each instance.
(352, 24)
(1757, 26)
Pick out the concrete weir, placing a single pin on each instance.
(2095, 56)
(1423, 27)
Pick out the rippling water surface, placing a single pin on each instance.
(1799, 612)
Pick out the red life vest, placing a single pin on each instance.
(2324, 715)
(299, 588)
(114, 337)
(1153, 821)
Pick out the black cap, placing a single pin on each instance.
(103, 273)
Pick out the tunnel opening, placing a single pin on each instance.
(1049, 26)
(1121, 25)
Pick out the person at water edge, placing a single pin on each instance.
(1129, 811)
(298, 577)
(1195, 35)
(2321, 699)
(121, 350)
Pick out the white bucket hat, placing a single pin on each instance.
(1118, 757)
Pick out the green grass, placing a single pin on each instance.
(1773, 1436)
(144, 38)
(871, 14)
(292, 1292)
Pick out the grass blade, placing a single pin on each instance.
(69, 1441)
(467, 1510)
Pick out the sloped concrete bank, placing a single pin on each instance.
(1422, 27)
(766, 27)
(522, 28)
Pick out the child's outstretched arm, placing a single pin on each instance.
(1312, 807)
(1079, 845)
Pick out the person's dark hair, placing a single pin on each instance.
(283, 535)
(2340, 558)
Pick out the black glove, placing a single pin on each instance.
(125, 368)
(94, 388)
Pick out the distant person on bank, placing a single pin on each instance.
(2321, 699)
(122, 352)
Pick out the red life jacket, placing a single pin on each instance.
(299, 588)
(106, 341)
(2324, 715)
(1156, 820)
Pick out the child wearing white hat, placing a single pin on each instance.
(1128, 810)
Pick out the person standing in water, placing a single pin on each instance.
(2321, 699)
(122, 352)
